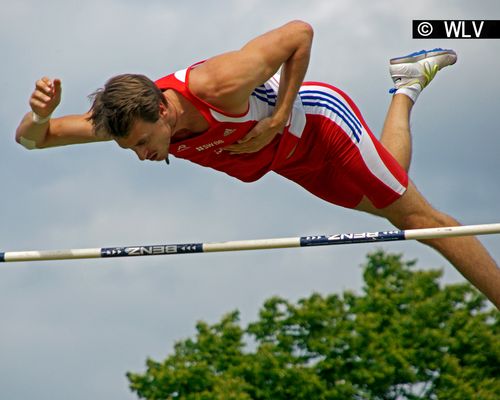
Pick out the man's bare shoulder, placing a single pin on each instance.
(218, 82)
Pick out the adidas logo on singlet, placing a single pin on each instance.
(228, 131)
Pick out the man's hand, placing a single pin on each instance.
(259, 137)
(46, 97)
(66, 130)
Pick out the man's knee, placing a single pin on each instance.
(429, 218)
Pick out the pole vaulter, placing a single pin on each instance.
(248, 112)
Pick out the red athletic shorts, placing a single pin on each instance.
(337, 158)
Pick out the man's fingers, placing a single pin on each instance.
(47, 90)
(46, 96)
(251, 142)
(259, 137)
(231, 148)
(243, 151)
(34, 103)
(249, 136)
(48, 86)
(57, 86)
(44, 85)
(236, 149)
(37, 94)
(249, 147)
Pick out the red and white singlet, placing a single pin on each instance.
(326, 147)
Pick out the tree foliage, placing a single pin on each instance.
(404, 337)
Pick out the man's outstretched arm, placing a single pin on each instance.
(38, 130)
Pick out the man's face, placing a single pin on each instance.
(149, 140)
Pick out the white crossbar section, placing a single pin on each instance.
(467, 230)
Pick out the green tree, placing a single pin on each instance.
(404, 337)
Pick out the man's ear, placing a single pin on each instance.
(163, 109)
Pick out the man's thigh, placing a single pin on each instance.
(405, 212)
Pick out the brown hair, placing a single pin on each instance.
(123, 99)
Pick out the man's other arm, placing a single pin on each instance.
(37, 130)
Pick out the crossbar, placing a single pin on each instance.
(258, 244)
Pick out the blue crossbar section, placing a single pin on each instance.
(2, 257)
(347, 238)
(154, 250)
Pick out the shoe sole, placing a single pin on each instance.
(420, 55)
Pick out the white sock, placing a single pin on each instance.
(412, 91)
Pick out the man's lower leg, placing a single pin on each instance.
(396, 135)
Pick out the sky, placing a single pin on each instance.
(72, 329)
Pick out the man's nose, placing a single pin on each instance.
(141, 153)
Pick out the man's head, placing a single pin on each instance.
(132, 110)
(124, 99)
